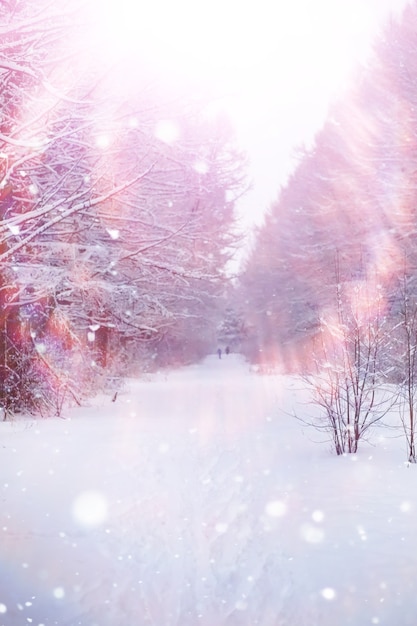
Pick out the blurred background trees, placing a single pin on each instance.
(352, 197)
(330, 283)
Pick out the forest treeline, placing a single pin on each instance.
(347, 218)
(330, 287)
(117, 194)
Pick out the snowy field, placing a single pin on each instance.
(195, 499)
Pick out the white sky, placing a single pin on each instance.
(277, 64)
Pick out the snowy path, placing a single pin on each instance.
(196, 500)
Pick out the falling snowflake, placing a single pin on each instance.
(59, 593)
(312, 534)
(276, 508)
(113, 232)
(317, 516)
(90, 508)
(102, 141)
(328, 593)
(405, 507)
(167, 131)
(201, 167)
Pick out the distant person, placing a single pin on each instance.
(219, 352)
(227, 350)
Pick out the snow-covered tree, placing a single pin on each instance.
(116, 205)
(403, 356)
(348, 376)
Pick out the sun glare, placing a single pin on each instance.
(257, 49)
(272, 67)
(220, 42)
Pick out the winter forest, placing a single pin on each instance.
(329, 289)
(187, 375)
(116, 209)
(118, 226)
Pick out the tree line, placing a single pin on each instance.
(117, 197)
(330, 286)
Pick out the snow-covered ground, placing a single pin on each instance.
(196, 499)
